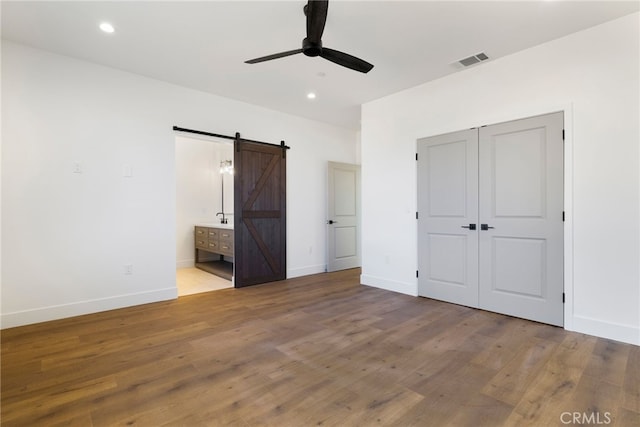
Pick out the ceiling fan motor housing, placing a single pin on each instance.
(311, 48)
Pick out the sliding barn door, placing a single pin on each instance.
(259, 213)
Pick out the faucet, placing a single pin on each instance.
(223, 220)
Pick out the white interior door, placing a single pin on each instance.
(507, 180)
(521, 203)
(447, 203)
(343, 225)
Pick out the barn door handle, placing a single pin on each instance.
(470, 226)
(485, 227)
(332, 222)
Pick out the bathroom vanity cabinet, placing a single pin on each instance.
(212, 243)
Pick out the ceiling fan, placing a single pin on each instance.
(316, 13)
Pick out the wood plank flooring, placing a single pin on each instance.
(317, 350)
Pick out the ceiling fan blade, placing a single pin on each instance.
(346, 60)
(316, 12)
(274, 56)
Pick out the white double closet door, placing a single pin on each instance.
(490, 225)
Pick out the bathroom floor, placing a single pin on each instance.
(194, 281)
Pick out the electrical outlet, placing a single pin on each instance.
(128, 269)
(77, 167)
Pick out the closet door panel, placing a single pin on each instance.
(521, 205)
(447, 202)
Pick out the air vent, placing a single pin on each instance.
(479, 57)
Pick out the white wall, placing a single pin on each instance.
(591, 75)
(66, 236)
(199, 190)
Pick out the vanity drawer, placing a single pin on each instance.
(213, 233)
(226, 247)
(202, 243)
(226, 235)
(226, 242)
(214, 246)
(200, 236)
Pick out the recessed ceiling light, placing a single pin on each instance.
(107, 28)
(311, 95)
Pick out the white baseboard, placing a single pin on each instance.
(190, 263)
(185, 263)
(305, 271)
(613, 331)
(44, 314)
(389, 285)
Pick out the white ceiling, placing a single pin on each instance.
(203, 44)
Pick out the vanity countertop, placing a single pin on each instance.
(215, 225)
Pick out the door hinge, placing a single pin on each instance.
(563, 297)
(416, 214)
(562, 216)
(416, 156)
(416, 273)
(563, 134)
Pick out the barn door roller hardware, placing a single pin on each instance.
(235, 138)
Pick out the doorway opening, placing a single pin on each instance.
(204, 202)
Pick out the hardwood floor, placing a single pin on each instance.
(317, 350)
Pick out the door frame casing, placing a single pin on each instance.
(567, 110)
